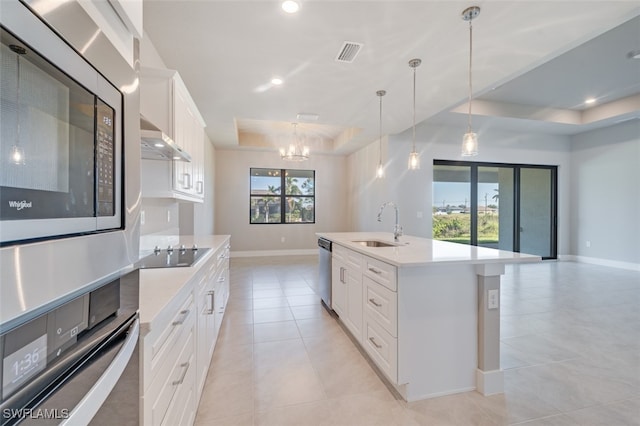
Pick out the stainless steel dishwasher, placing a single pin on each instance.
(324, 265)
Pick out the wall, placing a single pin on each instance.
(232, 202)
(412, 190)
(605, 195)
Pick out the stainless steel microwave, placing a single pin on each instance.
(61, 138)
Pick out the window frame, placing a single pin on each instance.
(283, 196)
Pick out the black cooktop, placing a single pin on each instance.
(172, 258)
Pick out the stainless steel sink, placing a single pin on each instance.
(374, 243)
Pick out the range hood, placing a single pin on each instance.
(157, 145)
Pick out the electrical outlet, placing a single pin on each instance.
(142, 218)
(493, 299)
(282, 239)
(419, 215)
(168, 215)
(588, 244)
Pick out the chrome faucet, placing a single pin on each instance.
(397, 229)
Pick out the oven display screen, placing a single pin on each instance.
(23, 364)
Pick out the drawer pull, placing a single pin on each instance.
(184, 373)
(221, 279)
(342, 275)
(212, 300)
(373, 302)
(221, 256)
(375, 271)
(181, 321)
(375, 343)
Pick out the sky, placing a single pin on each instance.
(456, 193)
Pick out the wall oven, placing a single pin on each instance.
(61, 139)
(77, 363)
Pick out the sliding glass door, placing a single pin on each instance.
(504, 206)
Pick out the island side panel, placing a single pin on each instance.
(437, 330)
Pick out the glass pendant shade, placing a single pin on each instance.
(17, 155)
(470, 144)
(380, 171)
(414, 161)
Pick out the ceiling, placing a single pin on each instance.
(534, 63)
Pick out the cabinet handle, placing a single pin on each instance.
(212, 300)
(181, 321)
(200, 187)
(184, 373)
(187, 181)
(221, 256)
(373, 301)
(342, 271)
(374, 342)
(374, 270)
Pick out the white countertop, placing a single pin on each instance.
(159, 286)
(417, 251)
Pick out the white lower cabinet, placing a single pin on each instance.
(365, 298)
(346, 287)
(177, 351)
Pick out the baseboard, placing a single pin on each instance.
(602, 262)
(489, 382)
(263, 253)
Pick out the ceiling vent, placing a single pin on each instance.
(348, 51)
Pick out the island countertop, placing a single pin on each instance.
(417, 251)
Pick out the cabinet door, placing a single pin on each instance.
(353, 319)
(338, 287)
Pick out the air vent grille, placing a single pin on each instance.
(348, 51)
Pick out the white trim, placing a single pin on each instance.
(490, 382)
(601, 262)
(261, 253)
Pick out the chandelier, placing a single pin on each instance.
(297, 150)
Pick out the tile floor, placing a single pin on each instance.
(570, 344)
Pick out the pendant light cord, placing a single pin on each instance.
(380, 140)
(470, 84)
(414, 109)
(18, 102)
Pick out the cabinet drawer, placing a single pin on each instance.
(382, 347)
(381, 304)
(182, 406)
(381, 272)
(166, 386)
(162, 346)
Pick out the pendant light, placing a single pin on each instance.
(380, 169)
(470, 139)
(297, 151)
(414, 157)
(17, 152)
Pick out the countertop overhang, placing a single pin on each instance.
(416, 251)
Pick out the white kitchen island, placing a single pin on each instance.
(420, 309)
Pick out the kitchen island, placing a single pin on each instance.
(427, 312)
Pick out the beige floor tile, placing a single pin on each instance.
(270, 302)
(272, 315)
(271, 331)
(309, 311)
(280, 387)
(238, 316)
(239, 420)
(233, 333)
(300, 290)
(225, 395)
(322, 326)
(622, 413)
(267, 293)
(378, 408)
(309, 414)
(231, 359)
(304, 300)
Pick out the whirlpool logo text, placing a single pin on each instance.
(19, 205)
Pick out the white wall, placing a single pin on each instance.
(605, 194)
(232, 201)
(412, 190)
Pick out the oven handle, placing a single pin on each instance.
(93, 400)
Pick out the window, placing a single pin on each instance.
(504, 206)
(282, 196)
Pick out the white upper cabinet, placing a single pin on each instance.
(166, 102)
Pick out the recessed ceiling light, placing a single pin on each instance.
(276, 81)
(307, 116)
(290, 6)
(590, 101)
